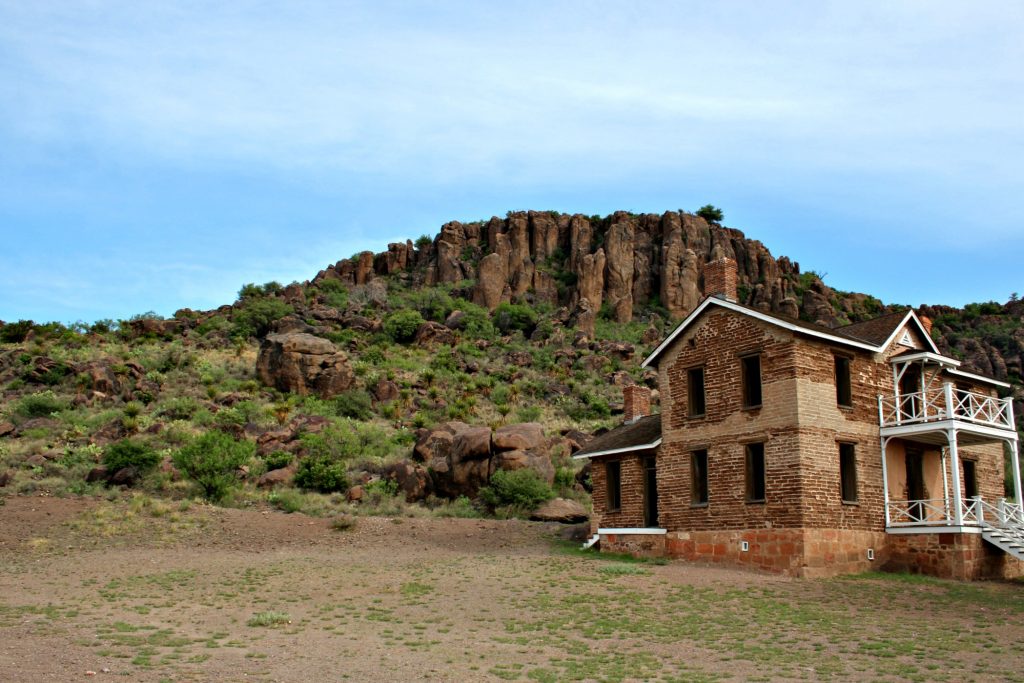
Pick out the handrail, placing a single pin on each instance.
(935, 404)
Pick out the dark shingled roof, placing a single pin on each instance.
(874, 331)
(644, 431)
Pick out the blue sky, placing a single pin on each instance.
(159, 155)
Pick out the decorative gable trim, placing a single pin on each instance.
(799, 329)
(902, 327)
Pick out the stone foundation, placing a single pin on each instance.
(818, 553)
(956, 556)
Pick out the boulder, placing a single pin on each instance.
(303, 364)
(126, 476)
(560, 510)
(98, 473)
(471, 444)
(279, 477)
(6, 477)
(518, 460)
(430, 333)
(385, 390)
(412, 478)
(6, 428)
(525, 436)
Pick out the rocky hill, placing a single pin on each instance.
(495, 346)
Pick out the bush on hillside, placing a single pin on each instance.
(129, 453)
(255, 318)
(15, 333)
(321, 473)
(212, 461)
(521, 488)
(42, 404)
(509, 317)
(401, 326)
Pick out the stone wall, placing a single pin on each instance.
(954, 556)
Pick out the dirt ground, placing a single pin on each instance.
(150, 591)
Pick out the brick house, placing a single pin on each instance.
(809, 451)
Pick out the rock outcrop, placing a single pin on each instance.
(303, 364)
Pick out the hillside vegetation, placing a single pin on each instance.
(535, 318)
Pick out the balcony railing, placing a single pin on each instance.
(945, 403)
(938, 512)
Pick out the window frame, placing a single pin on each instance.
(699, 485)
(848, 471)
(745, 381)
(752, 452)
(613, 485)
(690, 411)
(847, 362)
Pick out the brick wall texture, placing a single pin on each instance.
(803, 527)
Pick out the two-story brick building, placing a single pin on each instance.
(796, 448)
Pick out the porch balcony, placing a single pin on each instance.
(920, 411)
(939, 512)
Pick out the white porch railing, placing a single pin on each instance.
(936, 512)
(945, 403)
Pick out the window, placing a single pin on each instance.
(751, 370)
(970, 479)
(699, 477)
(755, 473)
(613, 474)
(695, 382)
(848, 472)
(844, 389)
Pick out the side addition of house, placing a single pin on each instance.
(800, 449)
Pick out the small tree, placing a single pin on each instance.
(522, 489)
(128, 453)
(711, 213)
(401, 325)
(212, 461)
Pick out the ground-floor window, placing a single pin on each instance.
(613, 477)
(755, 473)
(699, 477)
(970, 479)
(848, 472)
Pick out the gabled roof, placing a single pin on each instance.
(641, 435)
(872, 335)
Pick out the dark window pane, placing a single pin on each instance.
(755, 472)
(613, 473)
(848, 471)
(695, 380)
(699, 477)
(751, 366)
(970, 479)
(844, 389)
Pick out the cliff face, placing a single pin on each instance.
(619, 263)
(626, 263)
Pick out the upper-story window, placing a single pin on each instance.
(695, 383)
(844, 386)
(751, 375)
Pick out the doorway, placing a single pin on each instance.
(916, 491)
(650, 492)
(910, 400)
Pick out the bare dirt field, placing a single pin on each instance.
(150, 591)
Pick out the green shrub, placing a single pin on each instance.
(178, 408)
(386, 488)
(711, 213)
(15, 333)
(401, 326)
(129, 453)
(424, 241)
(287, 501)
(321, 473)
(354, 404)
(42, 404)
(257, 315)
(522, 488)
(212, 461)
(509, 317)
(278, 460)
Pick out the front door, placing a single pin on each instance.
(915, 483)
(650, 492)
(910, 387)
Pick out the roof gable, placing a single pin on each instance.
(798, 326)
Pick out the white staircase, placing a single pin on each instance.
(1003, 527)
(591, 541)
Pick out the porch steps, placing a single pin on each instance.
(1009, 538)
(590, 542)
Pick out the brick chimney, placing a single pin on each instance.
(720, 278)
(636, 402)
(926, 323)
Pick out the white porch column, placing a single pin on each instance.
(885, 479)
(1016, 476)
(945, 482)
(954, 466)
